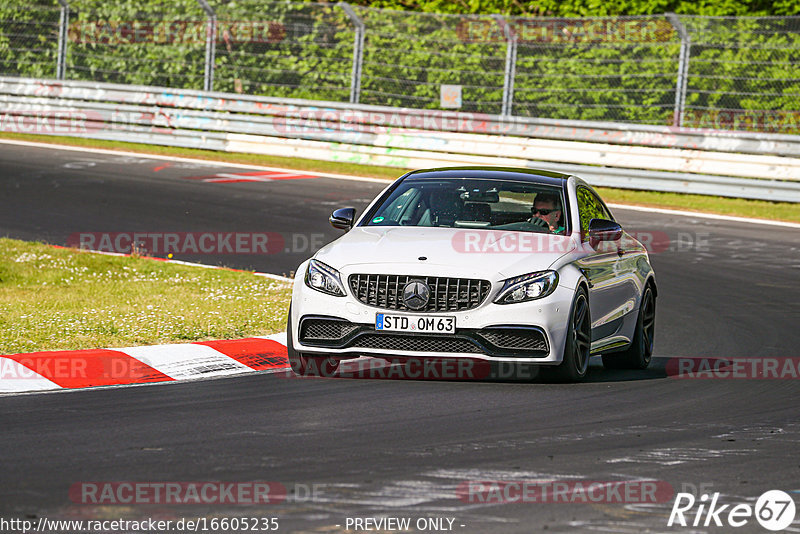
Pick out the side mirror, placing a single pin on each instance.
(603, 230)
(343, 218)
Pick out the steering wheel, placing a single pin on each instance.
(541, 223)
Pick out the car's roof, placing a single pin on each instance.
(500, 173)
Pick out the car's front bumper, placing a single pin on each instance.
(528, 332)
(510, 341)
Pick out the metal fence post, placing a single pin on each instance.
(211, 43)
(511, 66)
(683, 69)
(63, 28)
(358, 52)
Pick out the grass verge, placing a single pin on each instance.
(739, 207)
(780, 211)
(62, 299)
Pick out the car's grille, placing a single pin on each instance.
(447, 294)
(415, 343)
(325, 329)
(522, 339)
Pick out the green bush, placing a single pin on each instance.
(743, 72)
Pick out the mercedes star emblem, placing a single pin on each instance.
(416, 294)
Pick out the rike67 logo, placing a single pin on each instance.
(774, 510)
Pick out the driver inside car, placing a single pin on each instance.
(546, 212)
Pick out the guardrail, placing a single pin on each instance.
(735, 164)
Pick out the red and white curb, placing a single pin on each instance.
(55, 370)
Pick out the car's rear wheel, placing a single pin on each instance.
(640, 352)
(304, 364)
(578, 345)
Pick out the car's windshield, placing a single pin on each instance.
(473, 203)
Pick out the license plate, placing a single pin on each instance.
(415, 323)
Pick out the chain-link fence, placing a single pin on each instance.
(722, 73)
(299, 50)
(29, 39)
(409, 56)
(743, 73)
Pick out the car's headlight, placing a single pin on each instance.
(530, 286)
(324, 278)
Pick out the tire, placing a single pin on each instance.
(640, 352)
(577, 347)
(306, 365)
(296, 360)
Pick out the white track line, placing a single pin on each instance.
(376, 180)
(145, 155)
(190, 264)
(704, 215)
(225, 177)
(265, 275)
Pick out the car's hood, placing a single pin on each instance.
(450, 249)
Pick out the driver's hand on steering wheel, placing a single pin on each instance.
(541, 223)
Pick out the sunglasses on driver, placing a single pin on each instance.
(535, 211)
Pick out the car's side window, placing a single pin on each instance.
(602, 208)
(589, 207)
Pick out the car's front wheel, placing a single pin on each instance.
(578, 345)
(640, 352)
(304, 364)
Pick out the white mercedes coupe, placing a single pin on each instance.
(519, 266)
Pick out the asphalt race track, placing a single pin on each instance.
(402, 448)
